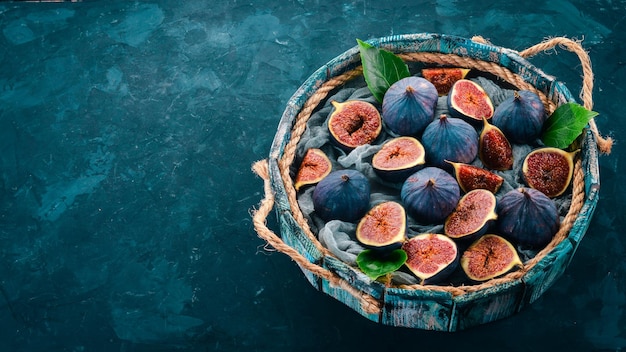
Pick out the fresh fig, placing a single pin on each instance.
(527, 217)
(430, 195)
(354, 123)
(314, 167)
(398, 158)
(444, 77)
(431, 257)
(449, 138)
(342, 195)
(472, 177)
(494, 150)
(469, 101)
(488, 257)
(472, 216)
(383, 227)
(409, 105)
(549, 170)
(520, 117)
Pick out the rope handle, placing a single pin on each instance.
(604, 143)
(259, 217)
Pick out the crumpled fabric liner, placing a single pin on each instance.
(339, 236)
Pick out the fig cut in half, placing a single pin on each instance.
(354, 123)
(489, 257)
(549, 170)
(472, 216)
(472, 177)
(398, 159)
(494, 150)
(383, 227)
(468, 100)
(444, 77)
(431, 257)
(314, 167)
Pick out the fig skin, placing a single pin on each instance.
(383, 227)
(549, 170)
(431, 257)
(443, 78)
(409, 106)
(527, 217)
(399, 158)
(520, 117)
(353, 123)
(472, 216)
(314, 167)
(449, 138)
(430, 195)
(494, 150)
(342, 195)
(489, 257)
(472, 177)
(469, 101)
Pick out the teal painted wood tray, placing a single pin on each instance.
(443, 308)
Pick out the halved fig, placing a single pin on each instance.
(444, 77)
(354, 123)
(472, 177)
(549, 170)
(489, 257)
(398, 159)
(383, 226)
(431, 257)
(472, 216)
(468, 100)
(494, 150)
(314, 167)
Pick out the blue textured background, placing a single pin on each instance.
(127, 131)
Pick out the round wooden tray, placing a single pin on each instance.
(429, 307)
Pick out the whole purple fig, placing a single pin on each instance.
(430, 195)
(520, 117)
(528, 217)
(342, 195)
(451, 139)
(409, 106)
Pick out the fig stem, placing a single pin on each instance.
(345, 177)
(516, 95)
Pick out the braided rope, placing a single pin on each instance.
(604, 143)
(368, 303)
(289, 152)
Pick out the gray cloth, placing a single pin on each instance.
(338, 236)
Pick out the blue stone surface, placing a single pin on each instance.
(127, 131)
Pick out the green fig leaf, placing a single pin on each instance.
(374, 264)
(381, 69)
(565, 125)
